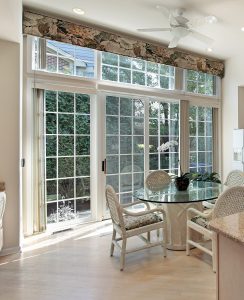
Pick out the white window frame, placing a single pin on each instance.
(98, 88)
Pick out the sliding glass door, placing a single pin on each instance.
(66, 156)
(134, 129)
(201, 139)
(164, 130)
(124, 145)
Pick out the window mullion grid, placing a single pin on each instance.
(146, 139)
(145, 74)
(45, 154)
(75, 62)
(159, 134)
(197, 136)
(118, 69)
(205, 84)
(205, 140)
(132, 149)
(98, 65)
(58, 56)
(119, 151)
(74, 154)
(158, 75)
(170, 137)
(57, 134)
(184, 149)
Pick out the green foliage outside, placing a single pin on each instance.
(67, 125)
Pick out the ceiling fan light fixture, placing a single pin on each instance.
(180, 27)
(78, 11)
(211, 19)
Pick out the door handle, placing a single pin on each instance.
(104, 166)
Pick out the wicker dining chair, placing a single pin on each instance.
(128, 224)
(235, 178)
(231, 201)
(157, 179)
(2, 208)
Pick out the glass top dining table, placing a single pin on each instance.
(197, 191)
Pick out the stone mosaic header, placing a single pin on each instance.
(67, 32)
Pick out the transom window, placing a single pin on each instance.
(129, 70)
(200, 83)
(65, 59)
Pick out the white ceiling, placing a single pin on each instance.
(128, 15)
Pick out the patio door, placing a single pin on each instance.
(66, 157)
(124, 136)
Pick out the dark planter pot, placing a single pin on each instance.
(182, 183)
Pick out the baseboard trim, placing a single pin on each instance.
(9, 251)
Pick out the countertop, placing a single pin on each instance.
(231, 226)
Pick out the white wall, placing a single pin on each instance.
(10, 20)
(9, 139)
(231, 117)
(10, 99)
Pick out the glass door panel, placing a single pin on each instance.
(124, 145)
(201, 148)
(164, 130)
(67, 156)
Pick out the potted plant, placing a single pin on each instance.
(182, 182)
(210, 177)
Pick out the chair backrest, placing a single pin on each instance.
(114, 206)
(2, 206)
(156, 180)
(235, 178)
(230, 202)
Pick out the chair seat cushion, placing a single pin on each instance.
(132, 222)
(200, 221)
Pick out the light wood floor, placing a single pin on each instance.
(81, 268)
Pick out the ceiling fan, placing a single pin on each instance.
(180, 27)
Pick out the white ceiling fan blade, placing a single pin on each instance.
(197, 22)
(174, 42)
(164, 10)
(153, 29)
(201, 37)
